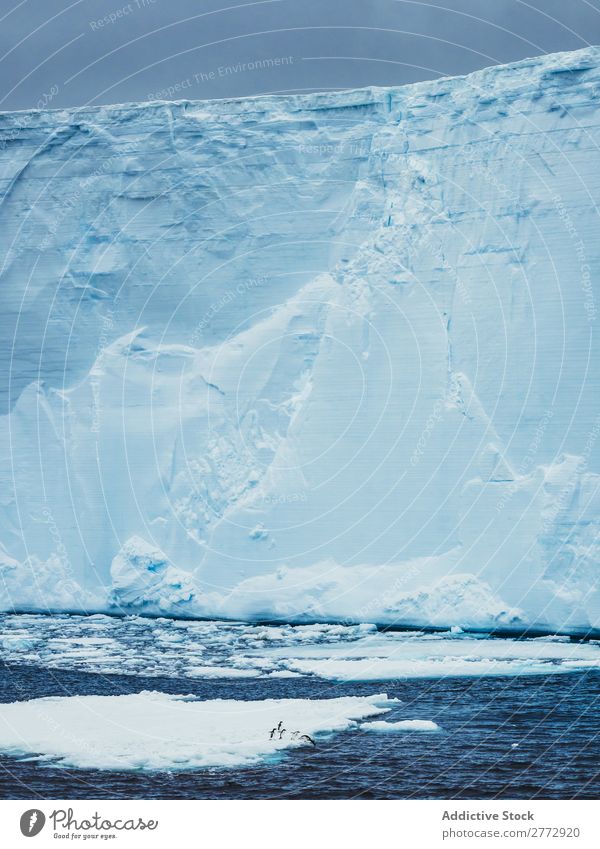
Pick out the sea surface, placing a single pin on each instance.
(519, 735)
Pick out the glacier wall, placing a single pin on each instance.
(326, 356)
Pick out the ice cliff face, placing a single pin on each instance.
(327, 356)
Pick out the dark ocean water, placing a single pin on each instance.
(554, 721)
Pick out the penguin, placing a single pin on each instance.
(272, 734)
(282, 732)
(309, 739)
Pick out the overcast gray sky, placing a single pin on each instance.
(73, 52)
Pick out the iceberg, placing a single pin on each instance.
(320, 357)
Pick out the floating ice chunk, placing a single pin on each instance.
(406, 398)
(402, 725)
(143, 577)
(220, 672)
(157, 731)
(510, 658)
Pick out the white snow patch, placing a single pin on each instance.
(157, 731)
(204, 649)
(405, 398)
(402, 725)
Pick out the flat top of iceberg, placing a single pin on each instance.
(511, 74)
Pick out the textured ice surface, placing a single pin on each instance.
(304, 358)
(151, 647)
(403, 725)
(156, 731)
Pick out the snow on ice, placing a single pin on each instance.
(307, 357)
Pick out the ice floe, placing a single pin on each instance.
(157, 731)
(320, 356)
(201, 649)
(402, 725)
